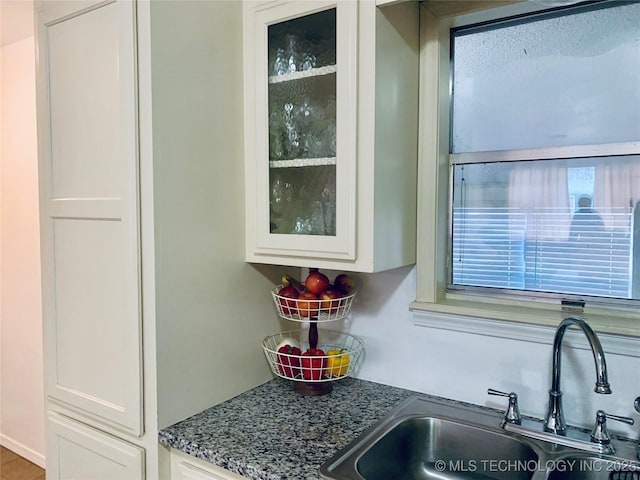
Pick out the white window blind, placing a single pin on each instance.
(538, 250)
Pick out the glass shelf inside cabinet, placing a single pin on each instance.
(312, 72)
(302, 124)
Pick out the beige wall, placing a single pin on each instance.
(21, 375)
(212, 308)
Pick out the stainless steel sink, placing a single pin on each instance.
(427, 447)
(426, 438)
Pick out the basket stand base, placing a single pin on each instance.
(313, 388)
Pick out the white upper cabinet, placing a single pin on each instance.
(331, 134)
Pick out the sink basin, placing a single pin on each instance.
(423, 439)
(426, 438)
(433, 448)
(593, 468)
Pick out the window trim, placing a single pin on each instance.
(433, 197)
(546, 153)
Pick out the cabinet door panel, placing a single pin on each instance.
(93, 339)
(85, 105)
(83, 453)
(185, 467)
(89, 210)
(301, 109)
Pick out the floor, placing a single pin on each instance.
(14, 467)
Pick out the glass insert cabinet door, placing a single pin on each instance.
(305, 129)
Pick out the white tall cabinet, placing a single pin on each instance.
(90, 238)
(139, 143)
(89, 171)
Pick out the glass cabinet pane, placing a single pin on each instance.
(302, 124)
(303, 43)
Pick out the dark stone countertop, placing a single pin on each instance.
(272, 433)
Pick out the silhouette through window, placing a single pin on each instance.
(587, 223)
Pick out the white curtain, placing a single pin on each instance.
(539, 187)
(617, 183)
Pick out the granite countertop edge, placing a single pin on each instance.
(270, 432)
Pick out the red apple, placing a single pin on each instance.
(288, 360)
(314, 364)
(288, 306)
(330, 303)
(316, 282)
(308, 304)
(345, 283)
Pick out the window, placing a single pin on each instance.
(530, 163)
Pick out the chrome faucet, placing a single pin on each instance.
(636, 405)
(554, 421)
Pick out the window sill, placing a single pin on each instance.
(619, 334)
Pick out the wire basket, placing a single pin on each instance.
(321, 368)
(303, 310)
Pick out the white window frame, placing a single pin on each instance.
(434, 306)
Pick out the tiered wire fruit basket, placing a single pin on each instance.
(336, 366)
(313, 375)
(302, 310)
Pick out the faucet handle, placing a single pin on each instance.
(600, 434)
(636, 405)
(512, 415)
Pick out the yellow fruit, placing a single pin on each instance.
(337, 363)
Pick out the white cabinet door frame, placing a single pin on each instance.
(260, 242)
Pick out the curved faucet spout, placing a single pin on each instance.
(554, 421)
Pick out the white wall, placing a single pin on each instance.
(21, 376)
(463, 366)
